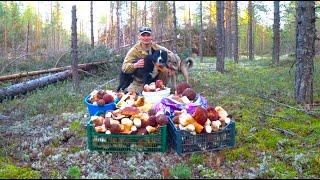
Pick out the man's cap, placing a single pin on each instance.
(145, 30)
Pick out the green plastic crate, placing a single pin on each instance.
(184, 142)
(126, 142)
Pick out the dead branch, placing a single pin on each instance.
(291, 107)
(100, 87)
(285, 132)
(63, 54)
(11, 62)
(86, 72)
(274, 116)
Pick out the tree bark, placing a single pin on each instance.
(189, 33)
(28, 32)
(276, 34)
(33, 84)
(74, 50)
(250, 31)
(175, 28)
(201, 35)
(228, 35)
(235, 32)
(5, 30)
(118, 24)
(220, 37)
(85, 67)
(305, 51)
(91, 21)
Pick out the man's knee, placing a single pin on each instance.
(135, 87)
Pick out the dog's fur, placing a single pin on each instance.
(178, 66)
(153, 64)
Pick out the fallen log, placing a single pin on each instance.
(52, 70)
(32, 84)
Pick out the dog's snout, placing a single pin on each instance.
(161, 60)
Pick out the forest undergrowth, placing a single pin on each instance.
(45, 136)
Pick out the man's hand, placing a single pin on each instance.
(139, 64)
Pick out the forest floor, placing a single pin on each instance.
(45, 136)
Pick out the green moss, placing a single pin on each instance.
(74, 172)
(315, 164)
(75, 149)
(267, 139)
(209, 173)
(75, 126)
(196, 159)
(243, 152)
(280, 170)
(10, 171)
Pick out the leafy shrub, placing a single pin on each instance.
(73, 172)
(180, 171)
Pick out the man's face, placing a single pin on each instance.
(145, 38)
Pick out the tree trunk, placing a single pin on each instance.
(175, 28)
(189, 33)
(74, 50)
(250, 31)
(33, 84)
(235, 32)
(85, 67)
(305, 51)
(91, 21)
(118, 24)
(276, 34)
(28, 33)
(228, 36)
(145, 13)
(220, 37)
(201, 35)
(135, 23)
(5, 30)
(131, 19)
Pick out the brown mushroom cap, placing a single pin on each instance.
(181, 87)
(190, 93)
(162, 120)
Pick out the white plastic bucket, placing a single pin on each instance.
(155, 97)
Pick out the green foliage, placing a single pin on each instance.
(196, 159)
(180, 171)
(279, 169)
(239, 91)
(209, 173)
(75, 126)
(10, 171)
(73, 172)
(75, 149)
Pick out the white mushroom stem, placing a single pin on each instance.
(134, 128)
(208, 128)
(114, 122)
(215, 125)
(207, 123)
(137, 122)
(190, 127)
(185, 119)
(181, 127)
(225, 120)
(126, 121)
